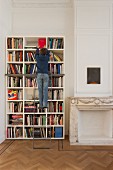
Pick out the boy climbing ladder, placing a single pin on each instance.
(42, 57)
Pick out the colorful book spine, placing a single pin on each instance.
(12, 95)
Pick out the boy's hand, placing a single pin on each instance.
(37, 51)
(51, 57)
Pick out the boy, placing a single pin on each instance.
(42, 57)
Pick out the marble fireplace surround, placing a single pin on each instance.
(79, 104)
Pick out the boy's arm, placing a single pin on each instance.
(50, 55)
(37, 53)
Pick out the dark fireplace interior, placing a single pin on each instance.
(93, 75)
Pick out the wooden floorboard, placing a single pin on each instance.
(20, 155)
(2, 145)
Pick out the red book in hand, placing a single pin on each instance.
(42, 42)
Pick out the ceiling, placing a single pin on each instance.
(42, 3)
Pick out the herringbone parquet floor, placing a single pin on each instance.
(20, 155)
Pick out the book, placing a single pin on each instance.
(58, 132)
(15, 116)
(21, 56)
(12, 95)
(37, 133)
(12, 69)
(41, 42)
(57, 58)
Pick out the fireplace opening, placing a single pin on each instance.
(93, 75)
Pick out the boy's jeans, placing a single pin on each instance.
(43, 81)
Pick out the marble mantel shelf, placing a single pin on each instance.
(92, 103)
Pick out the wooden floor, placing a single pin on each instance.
(20, 155)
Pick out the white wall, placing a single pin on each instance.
(49, 21)
(93, 31)
(5, 29)
(93, 35)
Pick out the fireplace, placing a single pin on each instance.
(91, 120)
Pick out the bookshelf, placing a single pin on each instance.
(22, 112)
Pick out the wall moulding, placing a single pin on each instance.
(41, 3)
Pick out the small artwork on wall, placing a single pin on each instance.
(93, 75)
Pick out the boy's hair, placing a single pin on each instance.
(43, 51)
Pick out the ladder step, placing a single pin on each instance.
(42, 110)
(42, 107)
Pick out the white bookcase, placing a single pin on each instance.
(22, 113)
